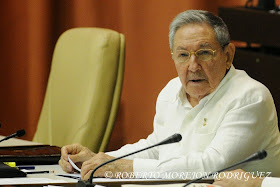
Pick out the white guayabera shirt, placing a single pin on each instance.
(228, 125)
(271, 182)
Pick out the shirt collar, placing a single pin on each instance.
(182, 97)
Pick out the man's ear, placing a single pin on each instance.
(230, 51)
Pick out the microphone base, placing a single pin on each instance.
(84, 184)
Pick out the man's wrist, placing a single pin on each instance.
(126, 165)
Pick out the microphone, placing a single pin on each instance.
(256, 156)
(19, 133)
(172, 139)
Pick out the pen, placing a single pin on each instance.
(72, 177)
(26, 167)
(38, 172)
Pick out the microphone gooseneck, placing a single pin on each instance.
(19, 133)
(256, 156)
(172, 139)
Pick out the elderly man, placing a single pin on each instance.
(222, 114)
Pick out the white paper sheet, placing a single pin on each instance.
(172, 185)
(74, 165)
(16, 181)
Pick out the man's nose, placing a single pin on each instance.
(193, 64)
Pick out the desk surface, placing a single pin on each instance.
(36, 179)
(41, 179)
(16, 142)
(52, 178)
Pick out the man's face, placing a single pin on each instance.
(200, 78)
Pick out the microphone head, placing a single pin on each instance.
(257, 156)
(172, 139)
(20, 133)
(262, 154)
(177, 137)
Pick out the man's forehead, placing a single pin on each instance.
(199, 45)
(195, 28)
(195, 35)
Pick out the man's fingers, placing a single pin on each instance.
(66, 166)
(70, 150)
(80, 157)
(86, 167)
(64, 153)
(219, 183)
(86, 176)
(86, 170)
(77, 153)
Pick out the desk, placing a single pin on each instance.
(39, 179)
(16, 142)
(52, 179)
(148, 182)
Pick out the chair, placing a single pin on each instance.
(84, 89)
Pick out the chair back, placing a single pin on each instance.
(84, 89)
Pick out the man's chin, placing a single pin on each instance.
(197, 93)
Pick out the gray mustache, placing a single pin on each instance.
(196, 76)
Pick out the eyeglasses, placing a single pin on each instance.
(202, 54)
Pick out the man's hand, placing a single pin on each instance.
(239, 178)
(114, 167)
(77, 153)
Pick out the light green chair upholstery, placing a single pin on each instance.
(84, 89)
